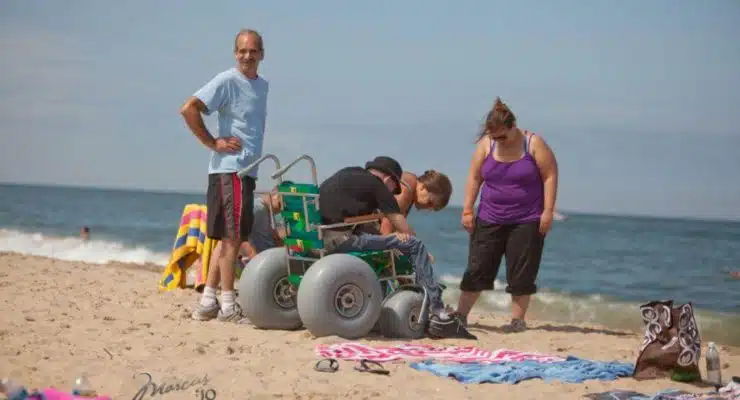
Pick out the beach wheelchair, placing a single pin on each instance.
(343, 294)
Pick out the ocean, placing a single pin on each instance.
(596, 268)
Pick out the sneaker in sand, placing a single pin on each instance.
(205, 313)
(453, 312)
(515, 326)
(449, 326)
(233, 314)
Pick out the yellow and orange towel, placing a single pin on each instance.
(191, 244)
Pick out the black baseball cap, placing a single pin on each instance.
(388, 166)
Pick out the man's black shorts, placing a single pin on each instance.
(230, 206)
(522, 246)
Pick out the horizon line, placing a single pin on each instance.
(564, 211)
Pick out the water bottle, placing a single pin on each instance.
(12, 391)
(82, 387)
(714, 367)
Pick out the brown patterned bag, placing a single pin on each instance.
(671, 347)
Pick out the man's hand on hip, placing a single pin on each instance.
(227, 145)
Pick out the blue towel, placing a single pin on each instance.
(669, 394)
(572, 370)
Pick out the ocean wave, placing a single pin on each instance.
(72, 248)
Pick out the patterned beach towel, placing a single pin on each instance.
(467, 354)
(190, 244)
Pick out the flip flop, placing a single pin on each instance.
(365, 368)
(332, 367)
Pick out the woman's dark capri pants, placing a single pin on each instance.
(522, 246)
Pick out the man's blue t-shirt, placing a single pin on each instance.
(241, 104)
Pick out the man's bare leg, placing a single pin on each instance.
(214, 270)
(208, 307)
(227, 258)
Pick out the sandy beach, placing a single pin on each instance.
(61, 319)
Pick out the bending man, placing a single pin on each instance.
(357, 191)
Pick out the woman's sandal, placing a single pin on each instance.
(332, 367)
(365, 368)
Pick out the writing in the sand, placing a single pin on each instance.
(152, 389)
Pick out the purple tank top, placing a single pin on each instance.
(512, 192)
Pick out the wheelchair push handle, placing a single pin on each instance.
(250, 167)
(281, 171)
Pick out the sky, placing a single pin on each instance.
(640, 100)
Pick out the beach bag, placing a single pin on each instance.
(671, 347)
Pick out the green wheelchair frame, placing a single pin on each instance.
(304, 240)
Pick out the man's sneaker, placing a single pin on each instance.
(451, 311)
(516, 325)
(233, 314)
(205, 313)
(450, 326)
(463, 319)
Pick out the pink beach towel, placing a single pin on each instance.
(468, 354)
(54, 394)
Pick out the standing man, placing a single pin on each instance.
(239, 96)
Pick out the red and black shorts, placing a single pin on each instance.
(230, 202)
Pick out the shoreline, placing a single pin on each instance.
(563, 302)
(607, 313)
(111, 322)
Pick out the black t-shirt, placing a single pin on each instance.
(352, 192)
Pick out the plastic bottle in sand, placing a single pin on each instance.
(12, 391)
(82, 387)
(714, 367)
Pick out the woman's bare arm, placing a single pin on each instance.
(405, 199)
(548, 167)
(472, 185)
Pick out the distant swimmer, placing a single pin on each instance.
(85, 233)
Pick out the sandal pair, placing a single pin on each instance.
(365, 366)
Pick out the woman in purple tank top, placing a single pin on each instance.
(516, 174)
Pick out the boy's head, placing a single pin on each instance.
(433, 191)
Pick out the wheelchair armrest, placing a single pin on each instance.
(363, 218)
(354, 221)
